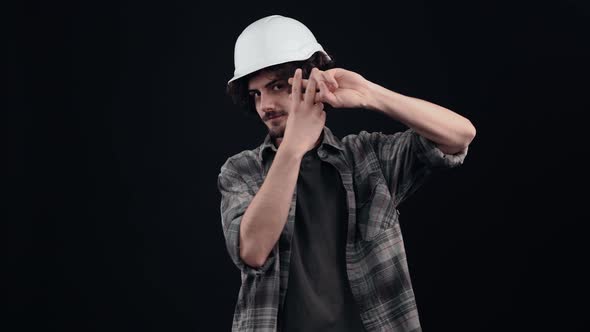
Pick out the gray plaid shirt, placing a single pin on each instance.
(378, 172)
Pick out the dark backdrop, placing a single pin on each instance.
(130, 126)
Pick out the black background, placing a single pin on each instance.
(125, 126)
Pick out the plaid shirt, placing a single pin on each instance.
(378, 172)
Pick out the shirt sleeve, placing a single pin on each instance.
(235, 199)
(407, 159)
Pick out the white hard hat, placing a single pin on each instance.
(270, 41)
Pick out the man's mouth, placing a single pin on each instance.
(275, 116)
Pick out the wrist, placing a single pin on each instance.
(379, 97)
(291, 151)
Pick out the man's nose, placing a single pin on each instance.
(267, 102)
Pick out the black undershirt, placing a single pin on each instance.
(318, 294)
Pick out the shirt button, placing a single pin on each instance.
(322, 154)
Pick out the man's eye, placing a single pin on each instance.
(254, 94)
(277, 87)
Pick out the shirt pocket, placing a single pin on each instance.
(375, 210)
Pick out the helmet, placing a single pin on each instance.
(270, 41)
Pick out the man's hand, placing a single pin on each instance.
(307, 117)
(340, 88)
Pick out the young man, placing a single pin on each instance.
(309, 219)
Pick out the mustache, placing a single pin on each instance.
(269, 115)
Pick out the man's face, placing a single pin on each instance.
(271, 99)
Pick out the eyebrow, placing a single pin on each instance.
(267, 84)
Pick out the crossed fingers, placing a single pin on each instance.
(320, 82)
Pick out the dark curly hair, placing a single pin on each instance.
(238, 89)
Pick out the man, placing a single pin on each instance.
(309, 219)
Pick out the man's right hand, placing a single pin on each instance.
(306, 119)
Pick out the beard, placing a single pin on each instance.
(276, 132)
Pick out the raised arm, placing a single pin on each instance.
(341, 88)
(267, 214)
(265, 217)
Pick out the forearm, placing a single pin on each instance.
(265, 217)
(449, 130)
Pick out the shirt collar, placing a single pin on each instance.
(328, 139)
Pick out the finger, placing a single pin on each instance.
(326, 77)
(318, 76)
(296, 86)
(304, 83)
(330, 82)
(310, 90)
(329, 78)
(319, 97)
(326, 96)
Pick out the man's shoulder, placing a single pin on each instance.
(364, 143)
(353, 138)
(357, 141)
(243, 162)
(371, 136)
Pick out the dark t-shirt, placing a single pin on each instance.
(318, 294)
